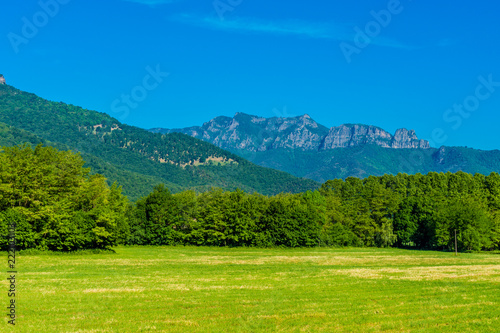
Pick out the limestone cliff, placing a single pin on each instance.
(252, 133)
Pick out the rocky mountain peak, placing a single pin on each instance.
(404, 138)
(253, 133)
(2, 79)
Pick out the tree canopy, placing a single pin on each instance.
(56, 203)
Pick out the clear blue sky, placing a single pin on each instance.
(268, 58)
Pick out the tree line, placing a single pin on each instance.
(58, 205)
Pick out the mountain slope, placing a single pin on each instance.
(120, 151)
(134, 183)
(304, 148)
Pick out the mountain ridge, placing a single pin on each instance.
(254, 133)
(304, 148)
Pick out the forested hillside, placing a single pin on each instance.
(372, 160)
(137, 184)
(134, 157)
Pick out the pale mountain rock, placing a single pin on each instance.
(252, 133)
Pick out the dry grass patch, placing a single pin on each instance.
(117, 290)
(482, 273)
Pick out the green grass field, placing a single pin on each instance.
(188, 289)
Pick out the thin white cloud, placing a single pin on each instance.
(331, 31)
(152, 2)
(290, 27)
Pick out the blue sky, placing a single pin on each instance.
(424, 65)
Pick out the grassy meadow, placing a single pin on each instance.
(200, 289)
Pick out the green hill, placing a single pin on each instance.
(135, 158)
(372, 160)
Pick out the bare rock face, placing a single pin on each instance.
(298, 132)
(441, 155)
(408, 139)
(355, 135)
(2, 79)
(252, 133)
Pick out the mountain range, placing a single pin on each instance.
(252, 133)
(135, 158)
(255, 154)
(305, 148)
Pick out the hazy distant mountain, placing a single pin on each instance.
(304, 148)
(136, 158)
